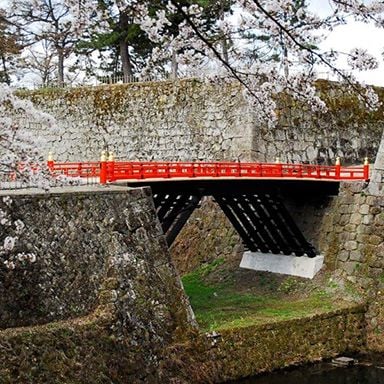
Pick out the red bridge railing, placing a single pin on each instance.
(110, 171)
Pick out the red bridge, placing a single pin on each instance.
(110, 171)
(253, 196)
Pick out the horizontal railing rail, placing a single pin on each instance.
(110, 171)
(107, 171)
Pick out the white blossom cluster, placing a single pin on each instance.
(361, 59)
(270, 44)
(20, 159)
(274, 47)
(11, 230)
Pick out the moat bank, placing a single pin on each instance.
(102, 302)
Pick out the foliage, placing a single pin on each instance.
(10, 47)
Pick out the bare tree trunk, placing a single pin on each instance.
(174, 66)
(224, 41)
(60, 67)
(126, 62)
(5, 77)
(224, 44)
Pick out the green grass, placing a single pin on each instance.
(220, 306)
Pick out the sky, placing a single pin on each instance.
(354, 35)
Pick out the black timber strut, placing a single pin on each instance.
(255, 209)
(174, 210)
(264, 224)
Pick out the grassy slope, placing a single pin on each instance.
(220, 305)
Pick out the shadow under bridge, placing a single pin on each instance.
(255, 208)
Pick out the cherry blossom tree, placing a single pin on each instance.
(282, 29)
(20, 158)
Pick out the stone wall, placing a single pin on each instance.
(102, 272)
(241, 352)
(190, 120)
(149, 121)
(353, 243)
(208, 236)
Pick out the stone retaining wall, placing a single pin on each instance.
(118, 309)
(353, 244)
(208, 235)
(101, 298)
(241, 352)
(192, 120)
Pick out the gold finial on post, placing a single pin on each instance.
(277, 160)
(50, 162)
(111, 156)
(103, 156)
(366, 169)
(337, 168)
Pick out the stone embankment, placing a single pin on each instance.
(191, 120)
(100, 301)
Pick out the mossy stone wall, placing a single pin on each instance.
(208, 235)
(134, 326)
(102, 304)
(192, 120)
(241, 352)
(353, 243)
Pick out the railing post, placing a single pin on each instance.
(337, 168)
(111, 167)
(50, 162)
(103, 168)
(279, 167)
(366, 169)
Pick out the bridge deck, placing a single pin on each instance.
(110, 171)
(135, 172)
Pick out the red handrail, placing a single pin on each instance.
(109, 171)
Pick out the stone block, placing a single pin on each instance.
(367, 219)
(347, 236)
(371, 200)
(379, 219)
(362, 238)
(350, 228)
(364, 209)
(346, 219)
(375, 239)
(350, 267)
(355, 218)
(343, 255)
(302, 266)
(350, 245)
(355, 255)
(375, 210)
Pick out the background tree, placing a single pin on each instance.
(43, 62)
(290, 33)
(122, 45)
(49, 22)
(116, 33)
(10, 47)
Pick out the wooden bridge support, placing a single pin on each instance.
(174, 210)
(264, 224)
(261, 219)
